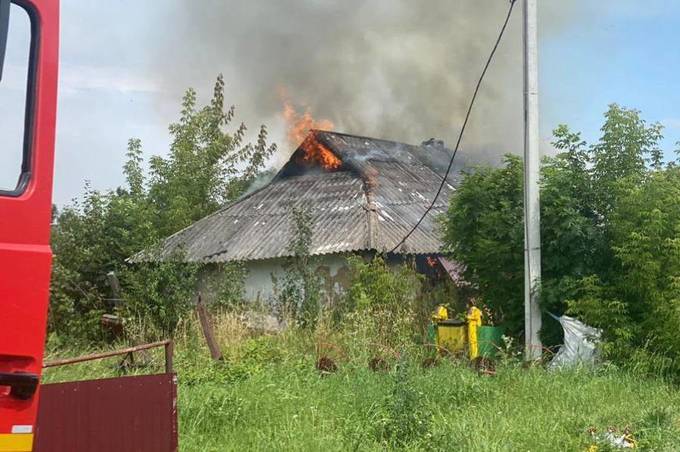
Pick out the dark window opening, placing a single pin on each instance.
(15, 102)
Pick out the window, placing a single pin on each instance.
(14, 98)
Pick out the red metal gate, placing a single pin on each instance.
(122, 414)
(115, 414)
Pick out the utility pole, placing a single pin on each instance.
(532, 212)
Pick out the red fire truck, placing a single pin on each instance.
(125, 413)
(29, 35)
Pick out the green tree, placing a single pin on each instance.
(484, 230)
(207, 165)
(587, 206)
(619, 157)
(638, 299)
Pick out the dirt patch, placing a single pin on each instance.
(326, 366)
(378, 364)
(430, 362)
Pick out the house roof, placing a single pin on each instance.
(369, 203)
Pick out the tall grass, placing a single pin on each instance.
(268, 395)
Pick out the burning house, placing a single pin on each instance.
(363, 196)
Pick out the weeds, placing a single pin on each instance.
(268, 395)
(404, 419)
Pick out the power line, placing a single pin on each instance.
(462, 129)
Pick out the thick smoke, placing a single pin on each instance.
(402, 70)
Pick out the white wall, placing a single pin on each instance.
(260, 286)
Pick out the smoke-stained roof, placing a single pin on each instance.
(370, 203)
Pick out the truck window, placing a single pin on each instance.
(14, 155)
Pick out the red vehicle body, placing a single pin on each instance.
(25, 255)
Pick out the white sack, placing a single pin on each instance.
(580, 344)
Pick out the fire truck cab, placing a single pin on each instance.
(28, 96)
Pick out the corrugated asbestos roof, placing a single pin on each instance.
(375, 198)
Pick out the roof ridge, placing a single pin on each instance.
(332, 132)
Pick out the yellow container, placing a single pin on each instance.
(451, 336)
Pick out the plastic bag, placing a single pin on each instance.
(580, 344)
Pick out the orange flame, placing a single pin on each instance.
(299, 127)
(316, 152)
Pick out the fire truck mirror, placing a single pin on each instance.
(15, 88)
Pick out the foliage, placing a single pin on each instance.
(609, 227)
(231, 285)
(618, 159)
(162, 293)
(374, 286)
(299, 290)
(269, 396)
(640, 294)
(384, 304)
(484, 231)
(404, 420)
(206, 166)
(92, 236)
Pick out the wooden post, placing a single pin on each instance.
(206, 326)
(169, 348)
(116, 293)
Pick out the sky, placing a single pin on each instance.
(124, 65)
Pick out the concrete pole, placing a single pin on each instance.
(532, 213)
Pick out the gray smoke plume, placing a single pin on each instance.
(402, 70)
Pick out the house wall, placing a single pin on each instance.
(259, 285)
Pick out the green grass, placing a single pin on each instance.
(267, 395)
(288, 408)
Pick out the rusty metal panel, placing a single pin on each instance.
(125, 414)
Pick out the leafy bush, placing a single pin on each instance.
(404, 418)
(610, 221)
(299, 290)
(224, 282)
(484, 231)
(637, 302)
(376, 286)
(163, 293)
(206, 167)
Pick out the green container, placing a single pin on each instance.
(490, 339)
(431, 333)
